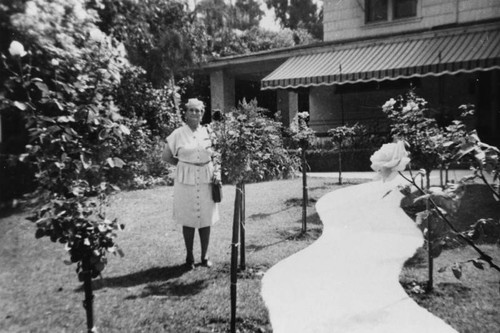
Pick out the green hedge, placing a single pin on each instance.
(323, 160)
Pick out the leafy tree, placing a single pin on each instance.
(159, 35)
(247, 14)
(64, 88)
(342, 134)
(295, 14)
(251, 150)
(302, 136)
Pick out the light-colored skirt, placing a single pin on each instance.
(193, 205)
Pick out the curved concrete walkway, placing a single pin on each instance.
(347, 281)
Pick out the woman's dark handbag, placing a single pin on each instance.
(217, 192)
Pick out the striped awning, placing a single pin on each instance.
(428, 54)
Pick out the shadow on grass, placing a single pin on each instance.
(418, 260)
(171, 289)
(257, 248)
(298, 202)
(153, 274)
(262, 216)
(296, 234)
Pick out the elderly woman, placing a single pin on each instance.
(190, 148)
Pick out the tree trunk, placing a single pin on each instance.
(243, 265)
(88, 303)
(305, 197)
(234, 254)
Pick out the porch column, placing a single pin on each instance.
(288, 104)
(222, 91)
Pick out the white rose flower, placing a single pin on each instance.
(54, 62)
(97, 35)
(16, 49)
(389, 104)
(389, 159)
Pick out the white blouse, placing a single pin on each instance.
(194, 151)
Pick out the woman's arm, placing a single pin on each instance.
(168, 156)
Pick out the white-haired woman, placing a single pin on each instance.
(190, 148)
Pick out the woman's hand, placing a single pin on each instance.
(217, 178)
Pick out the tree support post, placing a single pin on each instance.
(430, 282)
(242, 229)
(305, 198)
(88, 303)
(234, 254)
(340, 163)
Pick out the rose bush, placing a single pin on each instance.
(390, 159)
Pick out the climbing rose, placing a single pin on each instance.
(389, 159)
(16, 49)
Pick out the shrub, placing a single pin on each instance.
(251, 146)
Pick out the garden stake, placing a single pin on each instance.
(88, 303)
(430, 282)
(234, 254)
(242, 229)
(340, 162)
(305, 198)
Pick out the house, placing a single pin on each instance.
(372, 51)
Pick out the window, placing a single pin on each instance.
(405, 8)
(376, 10)
(389, 10)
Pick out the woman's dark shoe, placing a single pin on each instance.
(189, 264)
(206, 263)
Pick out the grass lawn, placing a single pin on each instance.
(148, 290)
(471, 304)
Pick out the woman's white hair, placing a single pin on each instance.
(195, 103)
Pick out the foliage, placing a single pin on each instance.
(251, 146)
(340, 134)
(138, 99)
(159, 35)
(300, 133)
(64, 89)
(414, 122)
(411, 121)
(247, 14)
(299, 14)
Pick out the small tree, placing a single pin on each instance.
(341, 134)
(302, 136)
(65, 93)
(251, 150)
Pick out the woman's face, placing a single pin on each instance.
(194, 115)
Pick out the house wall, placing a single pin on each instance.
(346, 19)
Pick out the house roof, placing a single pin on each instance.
(309, 62)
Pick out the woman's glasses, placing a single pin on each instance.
(192, 110)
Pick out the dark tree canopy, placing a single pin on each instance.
(295, 14)
(247, 14)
